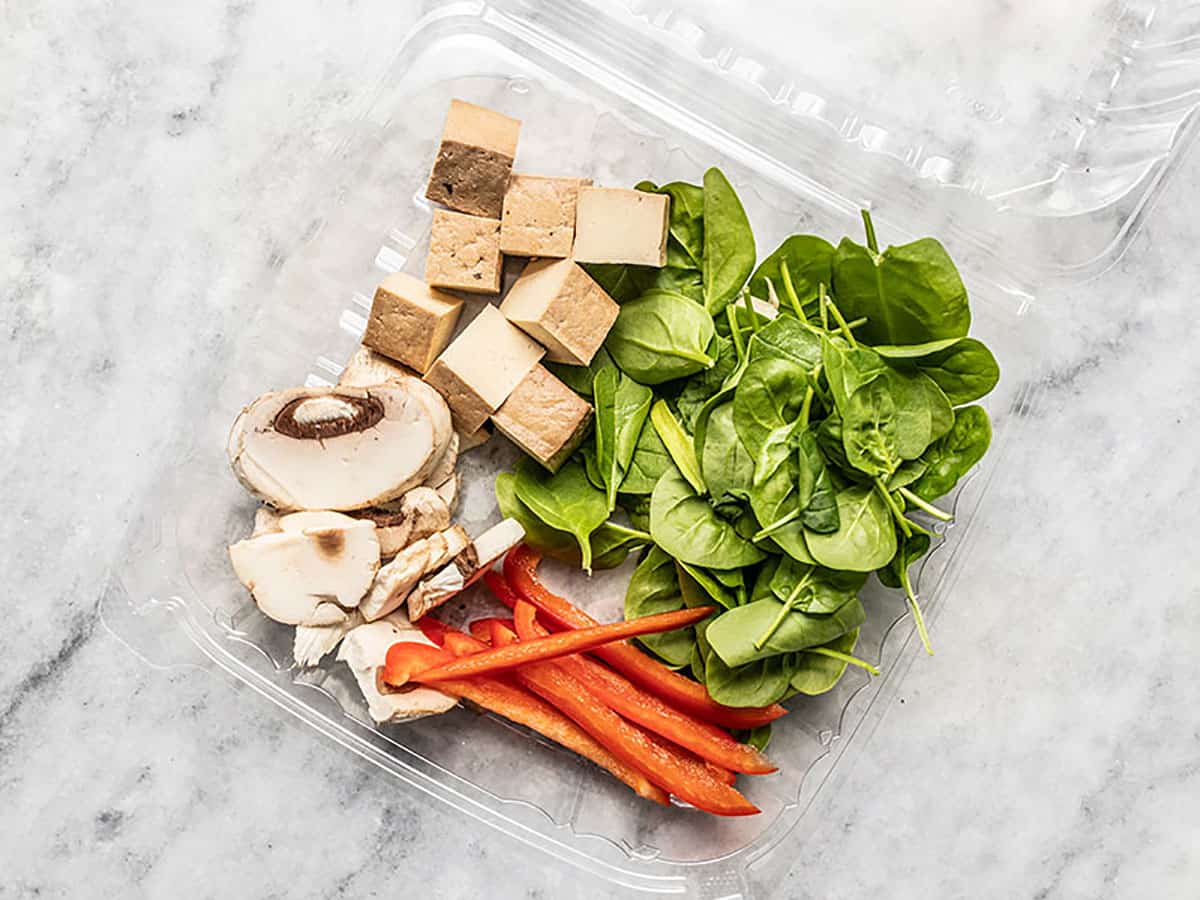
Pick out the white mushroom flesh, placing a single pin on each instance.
(467, 568)
(339, 448)
(312, 570)
(400, 576)
(365, 650)
(449, 490)
(312, 643)
(418, 514)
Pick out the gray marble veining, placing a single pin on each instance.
(1048, 750)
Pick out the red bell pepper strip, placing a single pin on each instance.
(433, 629)
(676, 771)
(516, 704)
(405, 659)
(621, 695)
(481, 629)
(686, 695)
(555, 645)
(503, 591)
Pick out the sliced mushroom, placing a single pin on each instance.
(367, 368)
(446, 463)
(449, 490)
(339, 448)
(365, 650)
(467, 568)
(313, 643)
(398, 577)
(418, 514)
(312, 570)
(266, 520)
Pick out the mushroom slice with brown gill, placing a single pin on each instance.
(365, 651)
(418, 514)
(398, 577)
(339, 448)
(318, 565)
(466, 568)
(449, 490)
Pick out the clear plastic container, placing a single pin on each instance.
(1029, 177)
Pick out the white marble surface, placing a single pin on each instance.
(1048, 751)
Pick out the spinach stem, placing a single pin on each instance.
(821, 306)
(843, 657)
(806, 406)
(870, 226)
(837, 314)
(918, 619)
(793, 299)
(630, 532)
(857, 323)
(918, 502)
(897, 513)
(678, 444)
(749, 304)
(781, 522)
(735, 332)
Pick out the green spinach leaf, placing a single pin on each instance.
(622, 406)
(809, 263)
(654, 588)
(727, 467)
(580, 379)
(565, 500)
(703, 385)
(950, 458)
(650, 460)
(728, 242)
(964, 371)
(865, 539)
(685, 526)
(818, 674)
(735, 634)
(821, 514)
(769, 396)
(661, 336)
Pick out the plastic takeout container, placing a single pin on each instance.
(1030, 178)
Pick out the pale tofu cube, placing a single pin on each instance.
(482, 366)
(474, 160)
(557, 302)
(411, 322)
(545, 418)
(464, 253)
(539, 216)
(614, 225)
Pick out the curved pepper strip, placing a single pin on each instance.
(670, 768)
(499, 659)
(518, 705)
(520, 570)
(622, 696)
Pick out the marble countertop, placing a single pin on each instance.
(1048, 751)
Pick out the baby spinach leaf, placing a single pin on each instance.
(914, 351)
(565, 500)
(910, 294)
(622, 406)
(848, 368)
(637, 507)
(910, 470)
(814, 589)
(782, 491)
(758, 684)
(809, 262)
(817, 674)
(685, 526)
(703, 385)
(701, 586)
(895, 575)
(679, 445)
(670, 277)
(728, 242)
(727, 467)
(620, 281)
(650, 460)
(591, 465)
(581, 378)
(654, 588)
(686, 220)
(769, 396)
(870, 434)
(865, 539)
(787, 338)
(759, 738)
(821, 514)
(734, 635)
(964, 371)
(950, 458)
(661, 336)
(610, 544)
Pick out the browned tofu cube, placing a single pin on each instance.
(539, 216)
(481, 367)
(614, 225)
(474, 160)
(464, 253)
(560, 305)
(544, 417)
(411, 322)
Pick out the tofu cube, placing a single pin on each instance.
(539, 216)
(614, 225)
(474, 160)
(464, 253)
(557, 303)
(545, 418)
(410, 322)
(481, 367)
